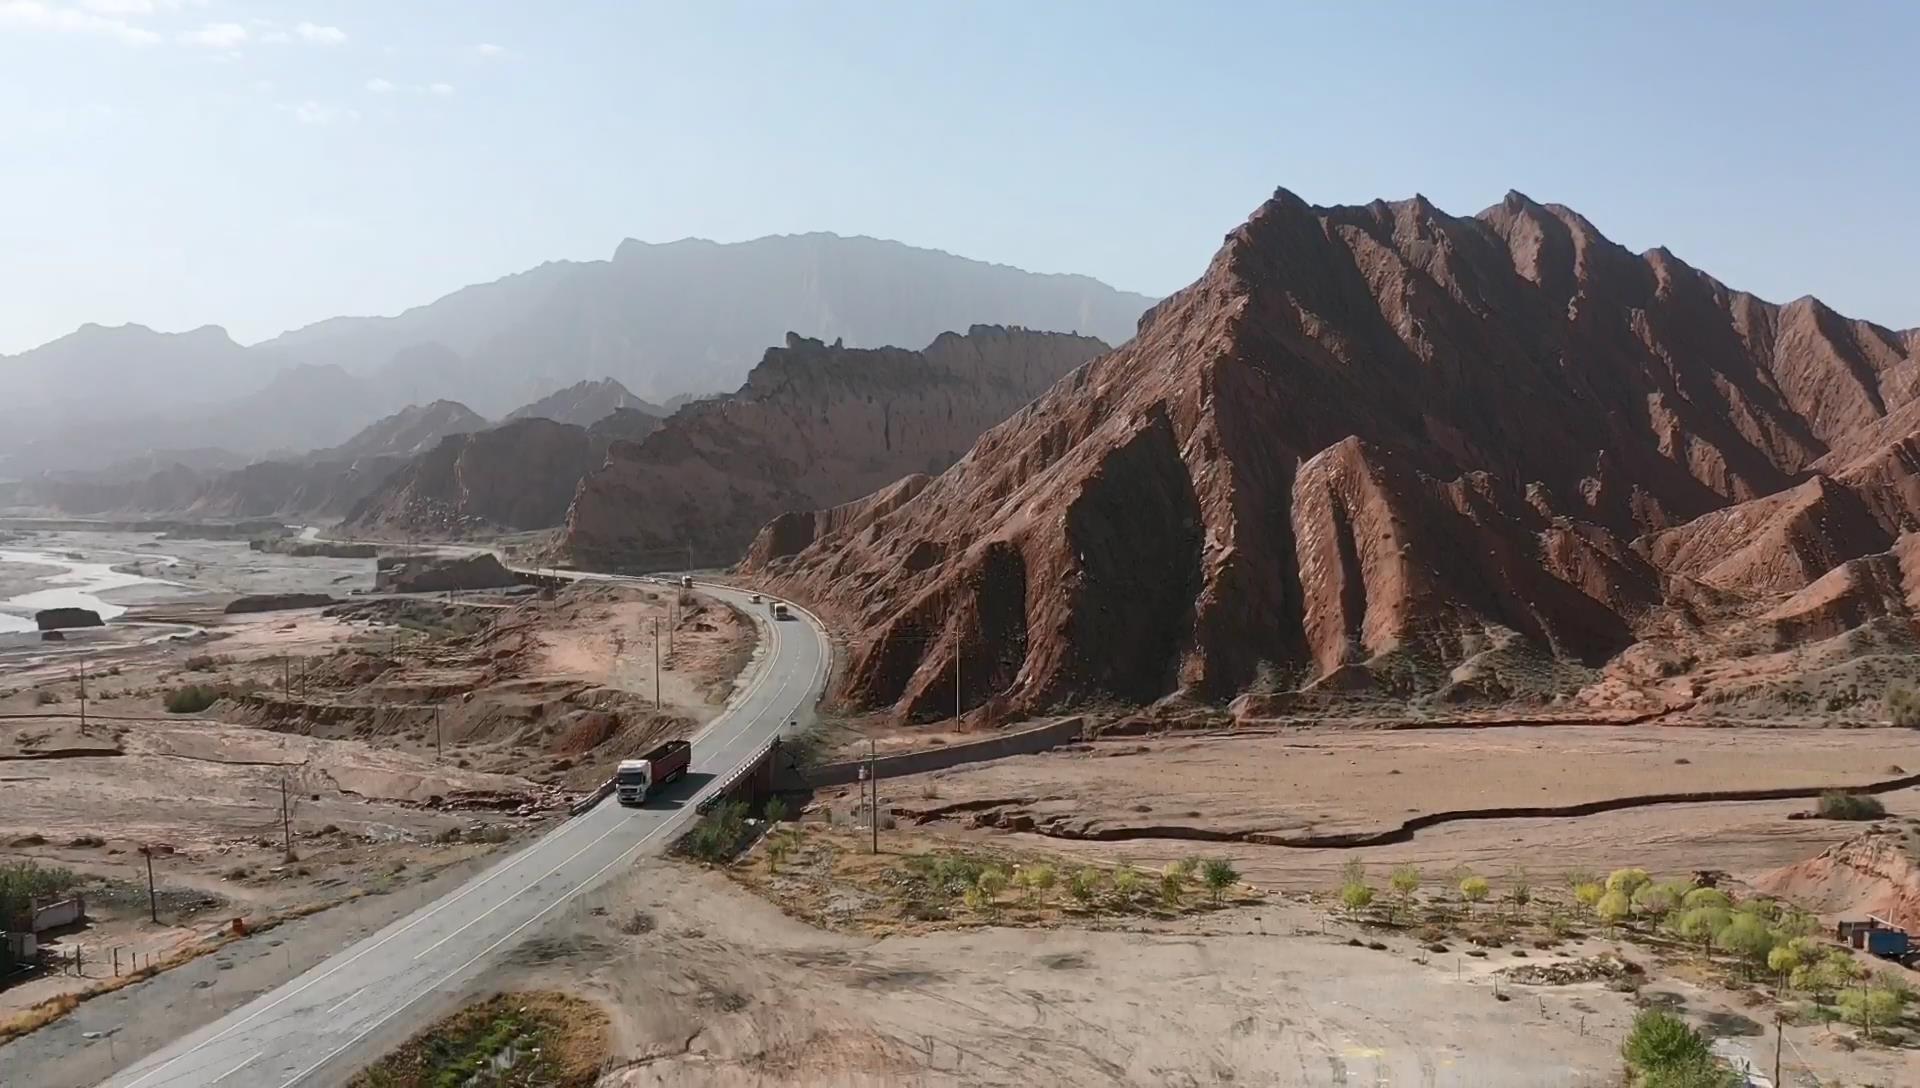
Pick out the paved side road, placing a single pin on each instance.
(319, 1027)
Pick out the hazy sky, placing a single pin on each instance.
(262, 165)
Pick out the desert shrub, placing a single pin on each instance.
(1903, 707)
(1039, 880)
(1589, 893)
(1473, 889)
(775, 810)
(191, 698)
(1126, 882)
(719, 834)
(200, 663)
(1356, 897)
(778, 847)
(45, 697)
(1084, 885)
(1405, 880)
(1838, 805)
(22, 882)
(1218, 874)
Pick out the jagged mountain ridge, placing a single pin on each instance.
(1367, 435)
(814, 424)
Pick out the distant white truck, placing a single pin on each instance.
(686, 581)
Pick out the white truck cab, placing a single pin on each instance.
(632, 780)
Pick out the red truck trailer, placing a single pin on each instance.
(636, 779)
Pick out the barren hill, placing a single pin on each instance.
(814, 425)
(1380, 446)
(584, 404)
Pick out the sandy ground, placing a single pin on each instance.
(537, 698)
(709, 985)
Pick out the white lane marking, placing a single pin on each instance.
(514, 932)
(773, 656)
(478, 918)
(336, 1007)
(236, 1068)
(535, 848)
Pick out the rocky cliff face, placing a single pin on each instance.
(814, 425)
(519, 475)
(584, 404)
(1368, 443)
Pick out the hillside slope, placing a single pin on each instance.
(1368, 444)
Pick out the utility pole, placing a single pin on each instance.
(286, 816)
(286, 676)
(83, 691)
(656, 660)
(439, 745)
(673, 621)
(689, 555)
(153, 901)
(1779, 1034)
(873, 776)
(956, 680)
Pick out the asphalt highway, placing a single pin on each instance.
(318, 1028)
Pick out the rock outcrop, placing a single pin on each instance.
(1368, 444)
(520, 475)
(58, 619)
(585, 403)
(439, 573)
(815, 425)
(276, 602)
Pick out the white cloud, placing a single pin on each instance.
(119, 7)
(321, 113)
(320, 35)
(488, 51)
(215, 36)
(379, 86)
(276, 37)
(34, 15)
(444, 90)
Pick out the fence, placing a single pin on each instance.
(1025, 742)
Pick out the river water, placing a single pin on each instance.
(74, 584)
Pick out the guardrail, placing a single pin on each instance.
(750, 766)
(600, 793)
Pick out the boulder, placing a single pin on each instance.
(276, 602)
(438, 573)
(53, 619)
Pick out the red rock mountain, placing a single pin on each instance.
(814, 425)
(1367, 445)
(519, 475)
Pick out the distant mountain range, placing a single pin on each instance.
(670, 321)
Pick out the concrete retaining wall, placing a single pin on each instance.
(65, 912)
(1026, 742)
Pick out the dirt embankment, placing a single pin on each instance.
(1875, 874)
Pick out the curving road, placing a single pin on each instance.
(319, 1027)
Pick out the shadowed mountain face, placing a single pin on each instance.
(815, 424)
(1367, 445)
(663, 321)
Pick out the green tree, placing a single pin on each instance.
(775, 809)
(1041, 878)
(1589, 893)
(1405, 881)
(1084, 885)
(1613, 908)
(1627, 881)
(1473, 889)
(1654, 900)
(1706, 897)
(1783, 961)
(1700, 924)
(1173, 885)
(1218, 874)
(1659, 1040)
(1749, 937)
(1872, 1007)
(1356, 897)
(992, 881)
(778, 846)
(1126, 882)
(1519, 891)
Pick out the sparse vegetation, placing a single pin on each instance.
(1218, 874)
(1405, 881)
(1662, 1051)
(45, 697)
(191, 698)
(556, 1041)
(1474, 890)
(1838, 805)
(1903, 707)
(720, 834)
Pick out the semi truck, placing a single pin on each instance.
(636, 779)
